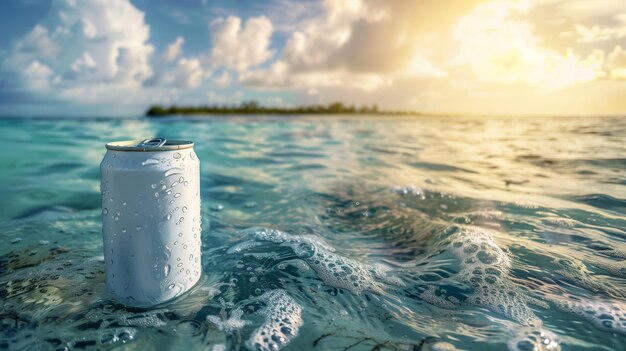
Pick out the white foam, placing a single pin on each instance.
(231, 324)
(430, 296)
(146, 319)
(413, 190)
(243, 246)
(534, 339)
(335, 270)
(577, 272)
(616, 269)
(560, 222)
(610, 316)
(443, 346)
(615, 253)
(486, 267)
(283, 319)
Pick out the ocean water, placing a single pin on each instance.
(333, 233)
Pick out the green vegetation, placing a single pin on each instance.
(253, 108)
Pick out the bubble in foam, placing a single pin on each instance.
(231, 324)
(146, 319)
(616, 253)
(616, 269)
(334, 269)
(413, 190)
(442, 346)
(560, 222)
(243, 246)
(534, 339)
(283, 319)
(485, 267)
(576, 272)
(609, 316)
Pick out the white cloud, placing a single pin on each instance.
(616, 63)
(38, 75)
(223, 80)
(239, 47)
(174, 50)
(279, 76)
(97, 46)
(354, 44)
(598, 33)
(499, 48)
(187, 74)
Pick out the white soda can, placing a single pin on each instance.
(150, 219)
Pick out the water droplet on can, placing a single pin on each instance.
(184, 208)
(177, 195)
(177, 155)
(166, 270)
(105, 211)
(168, 252)
(149, 161)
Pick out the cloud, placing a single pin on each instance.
(188, 73)
(500, 48)
(223, 80)
(174, 50)
(616, 63)
(598, 33)
(38, 75)
(94, 47)
(240, 47)
(355, 44)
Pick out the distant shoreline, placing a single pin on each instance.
(253, 108)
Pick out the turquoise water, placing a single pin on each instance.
(334, 234)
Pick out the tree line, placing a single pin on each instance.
(253, 107)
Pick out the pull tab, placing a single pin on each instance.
(154, 142)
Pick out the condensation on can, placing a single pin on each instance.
(151, 220)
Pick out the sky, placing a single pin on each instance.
(491, 57)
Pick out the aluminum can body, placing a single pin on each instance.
(151, 222)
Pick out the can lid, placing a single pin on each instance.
(153, 144)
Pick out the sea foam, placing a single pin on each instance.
(534, 339)
(609, 316)
(486, 267)
(334, 269)
(283, 319)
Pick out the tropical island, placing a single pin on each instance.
(254, 108)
